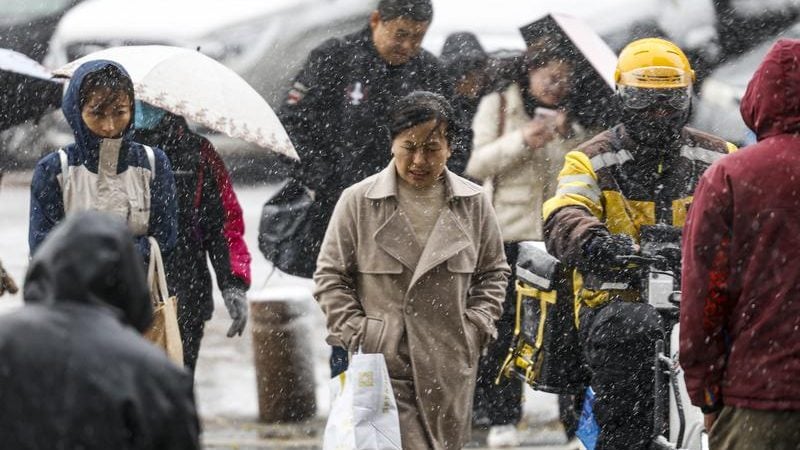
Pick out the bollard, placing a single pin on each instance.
(284, 369)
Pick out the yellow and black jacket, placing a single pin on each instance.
(611, 184)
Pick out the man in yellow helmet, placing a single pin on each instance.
(642, 171)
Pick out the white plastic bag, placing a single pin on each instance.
(363, 411)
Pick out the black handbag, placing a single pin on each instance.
(287, 235)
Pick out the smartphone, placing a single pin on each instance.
(547, 115)
(545, 112)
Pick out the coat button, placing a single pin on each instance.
(409, 310)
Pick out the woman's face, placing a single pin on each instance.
(421, 153)
(471, 84)
(107, 114)
(550, 84)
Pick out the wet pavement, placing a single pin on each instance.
(226, 378)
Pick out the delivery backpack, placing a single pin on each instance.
(286, 234)
(545, 351)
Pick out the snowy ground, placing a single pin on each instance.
(225, 379)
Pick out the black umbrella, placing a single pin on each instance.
(27, 90)
(593, 102)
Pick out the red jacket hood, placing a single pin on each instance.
(771, 104)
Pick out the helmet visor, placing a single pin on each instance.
(641, 98)
(659, 77)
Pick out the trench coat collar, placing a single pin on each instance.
(447, 238)
(385, 185)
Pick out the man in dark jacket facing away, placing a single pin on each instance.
(336, 111)
(210, 225)
(74, 370)
(740, 311)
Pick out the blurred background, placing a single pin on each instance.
(267, 41)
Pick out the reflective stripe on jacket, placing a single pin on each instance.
(605, 185)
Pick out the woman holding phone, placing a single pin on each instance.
(520, 138)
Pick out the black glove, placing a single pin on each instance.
(601, 252)
(236, 302)
(672, 260)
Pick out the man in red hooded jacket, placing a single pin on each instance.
(740, 313)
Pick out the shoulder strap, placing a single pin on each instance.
(198, 190)
(156, 277)
(62, 156)
(501, 121)
(151, 158)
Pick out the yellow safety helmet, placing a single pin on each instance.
(653, 63)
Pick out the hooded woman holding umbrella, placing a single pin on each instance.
(521, 137)
(104, 169)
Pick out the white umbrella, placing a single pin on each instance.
(15, 62)
(590, 46)
(192, 85)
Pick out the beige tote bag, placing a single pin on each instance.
(164, 331)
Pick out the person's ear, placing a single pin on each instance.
(374, 20)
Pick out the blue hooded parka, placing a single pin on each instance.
(47, 204)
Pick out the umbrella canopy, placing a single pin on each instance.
(192, 85)
(27, 90)
(594, 61)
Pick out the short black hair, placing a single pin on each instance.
(416, 10)
(109, 77)
(419, 107)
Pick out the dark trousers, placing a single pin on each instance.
(618, 342)
(499, 404)
(192, 326)
(740, 428)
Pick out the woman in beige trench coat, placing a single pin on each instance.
(412, 266)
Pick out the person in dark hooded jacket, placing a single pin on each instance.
(104, 169)
(75, 371)
(740, 309)
(465, 63)
(210, 224)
